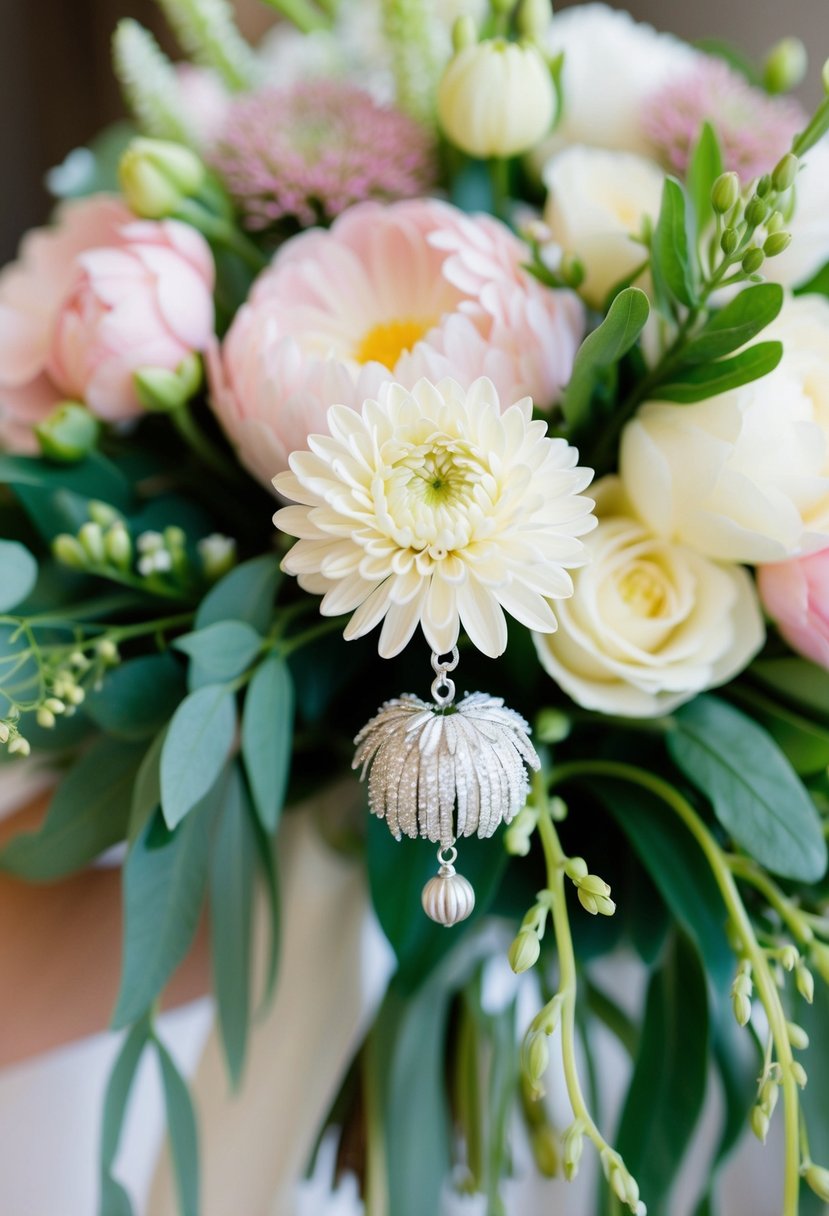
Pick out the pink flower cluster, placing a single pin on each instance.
(795, 594)
(312, 150)
(754, 129)
(90, 301)
(393, 292)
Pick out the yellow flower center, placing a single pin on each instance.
(386, 343)
(643, 591)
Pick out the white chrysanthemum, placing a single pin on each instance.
(432, 507)
(425, 760)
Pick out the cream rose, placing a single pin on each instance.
(650, 623)
(596, 205)
(744, 476)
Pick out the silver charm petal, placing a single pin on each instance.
(430, 764)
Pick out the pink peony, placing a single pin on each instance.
(754, 129)
(393, 292)
(795, 594)
(91, 300)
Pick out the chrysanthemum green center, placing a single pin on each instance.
(431, 491)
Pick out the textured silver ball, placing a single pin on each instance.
(448, 898)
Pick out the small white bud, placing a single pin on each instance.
(805, 982)
(798, 1037)
(572, 1150)
(524, 951)
(91, 537)
(817, 1178)
(4, 733)
(45, 718)
(19, 746)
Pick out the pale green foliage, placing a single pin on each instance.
(208, 33)
(408, 26)
(148, 82)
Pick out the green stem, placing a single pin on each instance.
(310, 635)
(86, 610)
(749, 871)
(221, 231)
(375, 1184)
(192, 434)
(763, 978)
(499, 176)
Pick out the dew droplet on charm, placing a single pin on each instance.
(448, 898)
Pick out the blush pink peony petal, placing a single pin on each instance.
(397, 292)
(795, 594)
(90, 301)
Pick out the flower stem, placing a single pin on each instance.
(749, 871)
(763, 978)
(186, 426)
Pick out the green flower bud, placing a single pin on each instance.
(759, 1123)
(763, 186)
(785, 66)
(824, 76)
(576, 868)
(464, 33)
(20, 746)
(156, 175)
(799, 1074)
(596, 905)
(789, 957)
(729, 241)
(104, 514)
(741, 1005)
(107, 651)
(805, 982)
(524, 951)
(54, 705)
(753, 259)
(69, 552)
(4, 732)
(69, 433)
(537, 1058)
(545, 1150)
(572, 1149)
(797, 1036)
(776, 243)
(118, 546)
(592, 884)
(725, 192)
(785, 171)
(218, 554)
(756, 211)
(45, 718)
(819, 958)
(534, 17)
(769, 1095)
(775, 222)
(162, 391)
(91, 536)
(572, 270)
(552, 726)
(75, 695)
(558, 809)
(817, 1178)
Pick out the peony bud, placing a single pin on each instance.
(725, 192)
(785, 66)
(157, 175)
(162, 391)
(69, 433)
(524, 951)
(496, 98)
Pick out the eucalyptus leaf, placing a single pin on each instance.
(755, 793)
(146, 790)
(114, 1200)
(232, 885)
(88, 814)
(602, 348)
(18, 574)
(137, 697)
(698, 383)
(223, 650)
(181, 1125)
(705, 167)
(245, 594)
(165, 875)
(671, 266)
(95, 477)
(666, 1094)
(270, 874)
(742, 319)
(267, 737)
(197, 745)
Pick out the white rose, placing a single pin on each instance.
(597, 202)
(650, 623)
(744, 476)
(809, 225)
(496, 98)
(612, 64)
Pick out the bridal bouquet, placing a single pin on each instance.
(492, 336)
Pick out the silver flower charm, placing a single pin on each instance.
(446, 771)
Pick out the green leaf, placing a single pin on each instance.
(18, 574)
(146, 791)
(799, 681)
(93, 169)
(705, 167)
(804, 743)
(710, 379)
(604, 347)
(197, 745)
(815, 130)
(165, 875)
(223, 650)
(677, 867)
(232, 883)
(47, 490)
(814, 1019)
(270, 874)
(742, 319)
(245, 594)
(755, 793)
(114, 1200)
(138, 697)
(87, 815)
(818, 285)
(267, 736)
(667, 1091)
(397, 874)
(181, 1124)
(671, 265)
